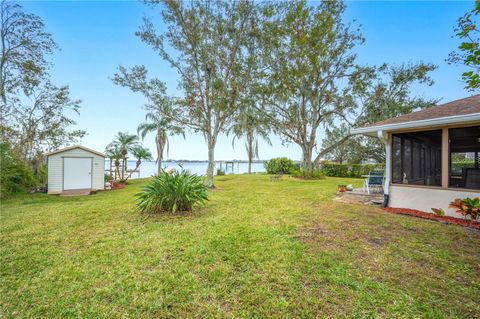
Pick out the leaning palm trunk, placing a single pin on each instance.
(135, 169)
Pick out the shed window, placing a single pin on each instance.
(464, 159)
(417, 158)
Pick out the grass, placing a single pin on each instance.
(257, 249)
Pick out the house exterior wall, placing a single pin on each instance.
(425, 199)
(55, 169)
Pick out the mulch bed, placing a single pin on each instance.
(443, 219)
(116, 185)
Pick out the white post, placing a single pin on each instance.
(383, 136)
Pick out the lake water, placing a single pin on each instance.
(148, 169)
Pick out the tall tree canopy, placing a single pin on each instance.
(385, 93)
(468, 52)
(35, 114)
(210, 40)
(308, 61)
(25, 47)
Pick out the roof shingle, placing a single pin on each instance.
(465, 106)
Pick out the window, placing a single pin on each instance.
(464, 163)
(417, 158)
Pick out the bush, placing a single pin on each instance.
(171, 192)
(316, 174)
(280, 165)
(220, 172)
(457, 166)
(467, 207)
(15, 175)
(41, 174)
(345, 170)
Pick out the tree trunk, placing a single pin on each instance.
(124, 168)
(159, 166)
(136, 167)
(250, 152)
(158, 139)
(111, 169)
(211, 162)
(117, 169)
(307, 163)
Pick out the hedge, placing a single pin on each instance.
(346, 170)
(458, 165)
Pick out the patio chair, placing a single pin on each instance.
(373, 180)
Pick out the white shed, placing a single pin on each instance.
(75, 168)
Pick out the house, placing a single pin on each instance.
(75, 169)
(432, 156)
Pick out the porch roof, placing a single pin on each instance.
(462, 111)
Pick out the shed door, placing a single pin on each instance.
(77, 173)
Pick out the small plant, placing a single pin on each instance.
(438, 211)
(280, 165)
(220, 172)
(467, 207)
(172, 192)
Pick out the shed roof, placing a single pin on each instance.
(75, 147)
(459, 111)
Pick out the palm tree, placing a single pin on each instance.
(249, 124)
(113, 153)
(140, 153)
(154, 122)
(125, 143)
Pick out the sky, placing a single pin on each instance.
(96, 37)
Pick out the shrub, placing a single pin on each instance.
(280, 165)
(171, 192)
(467, 207)
(15, 175)
(438, 211)
(316, 174)
(335, 170)
(345, 170)
(41, 174)
(458, 165)
(220, 172)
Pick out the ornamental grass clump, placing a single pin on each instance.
(172, 192)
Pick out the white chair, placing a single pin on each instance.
(373, 180)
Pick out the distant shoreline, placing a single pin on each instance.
(205, 161)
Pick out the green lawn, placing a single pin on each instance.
(257, 249)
